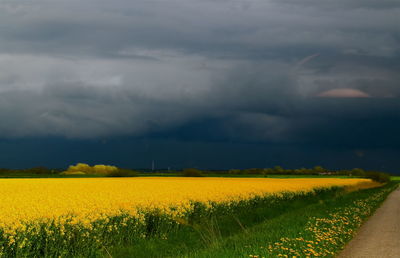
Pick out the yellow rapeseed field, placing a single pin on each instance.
(88, 199)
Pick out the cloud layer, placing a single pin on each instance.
(89, 69)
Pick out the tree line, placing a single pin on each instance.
(105, 170)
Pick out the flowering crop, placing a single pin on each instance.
(85, 208)
(89, 199)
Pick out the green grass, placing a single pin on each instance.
(207, 229)
(259, 229)
(395, 178)
(322, 229)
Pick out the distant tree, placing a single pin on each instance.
(38, 170)
(319, 169)
(192, 172)
(104, 169)
(268, 171)
(80, 167)
(121, 172)
(278, 170)
(95, 170)
(378, 176)
(4, 171)
(297, 171)
(234, 171)
(253, 171)
(357, 172)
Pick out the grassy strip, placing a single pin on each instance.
(395, 178)
(204, 230)
(317, 230)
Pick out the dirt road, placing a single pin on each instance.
(380, 235)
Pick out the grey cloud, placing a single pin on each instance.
(99, 28)
(100, 68)
(343, 4)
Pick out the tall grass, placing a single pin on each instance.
(319, 229)
(208, 229)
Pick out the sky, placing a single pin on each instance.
(213, 84)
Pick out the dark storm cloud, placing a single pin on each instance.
(252, 69)
(222, 28)
(343, 4)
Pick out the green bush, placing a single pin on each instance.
(378, 176)
(235, 172)
(254, 171)
(101, 170)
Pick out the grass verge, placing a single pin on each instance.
(395, 178)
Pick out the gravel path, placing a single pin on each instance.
(380, 235)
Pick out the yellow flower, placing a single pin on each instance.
(81, 201)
